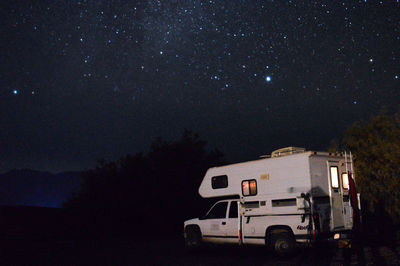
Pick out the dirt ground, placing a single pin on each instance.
(171, 252)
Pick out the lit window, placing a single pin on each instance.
(334, 176)
(245, 188)
(249, 187)
(253, 187)
(345, 181)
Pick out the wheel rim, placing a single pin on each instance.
(281, 245)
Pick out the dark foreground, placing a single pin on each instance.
(171, 252)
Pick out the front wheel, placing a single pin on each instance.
(282, 243)
(192, 238)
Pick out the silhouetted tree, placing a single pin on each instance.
(376, 145)
(158, 190)
(178, 168)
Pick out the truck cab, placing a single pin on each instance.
(219, 225)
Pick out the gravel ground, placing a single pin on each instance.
(171, 252)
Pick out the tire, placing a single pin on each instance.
(192, 238)
(282, 243)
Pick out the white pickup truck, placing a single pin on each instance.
(294, 196)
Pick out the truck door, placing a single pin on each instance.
(232, 223)
(214, 223)
(337, 220)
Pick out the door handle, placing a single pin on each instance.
(223, 223)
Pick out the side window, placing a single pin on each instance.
(249, 187)
(284, 203)
(220, 181)
(218, 211)
(334, 176)
(345, 181)
(233, 210)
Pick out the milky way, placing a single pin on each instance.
(82, 80)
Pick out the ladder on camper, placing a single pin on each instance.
(348, 159)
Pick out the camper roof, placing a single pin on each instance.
(287, 151)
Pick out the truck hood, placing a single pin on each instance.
(192, 221)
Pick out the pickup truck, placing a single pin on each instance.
(223, 225)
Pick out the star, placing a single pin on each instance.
(195, 50)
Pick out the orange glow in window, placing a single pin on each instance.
(245, 187)
(253, 188)
(345, 181)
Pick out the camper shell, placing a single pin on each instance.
(304, 192)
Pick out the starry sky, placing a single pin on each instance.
(82, 80)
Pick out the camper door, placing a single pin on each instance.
(337, 219)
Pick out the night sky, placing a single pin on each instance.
(81, 80)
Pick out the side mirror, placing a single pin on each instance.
(241, 200)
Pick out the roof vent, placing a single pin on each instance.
(287, 151)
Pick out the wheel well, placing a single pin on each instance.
(193, 227)
(275, 229)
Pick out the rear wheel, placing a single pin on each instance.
(192, 238)
(282, 243)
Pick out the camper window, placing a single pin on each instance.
(220, 181)
(218, 211)
(249, 187)
(345, 181)
(284, 203)
(334, 176)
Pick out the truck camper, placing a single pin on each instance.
(289, 197)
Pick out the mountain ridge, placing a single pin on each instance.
(28, 187)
